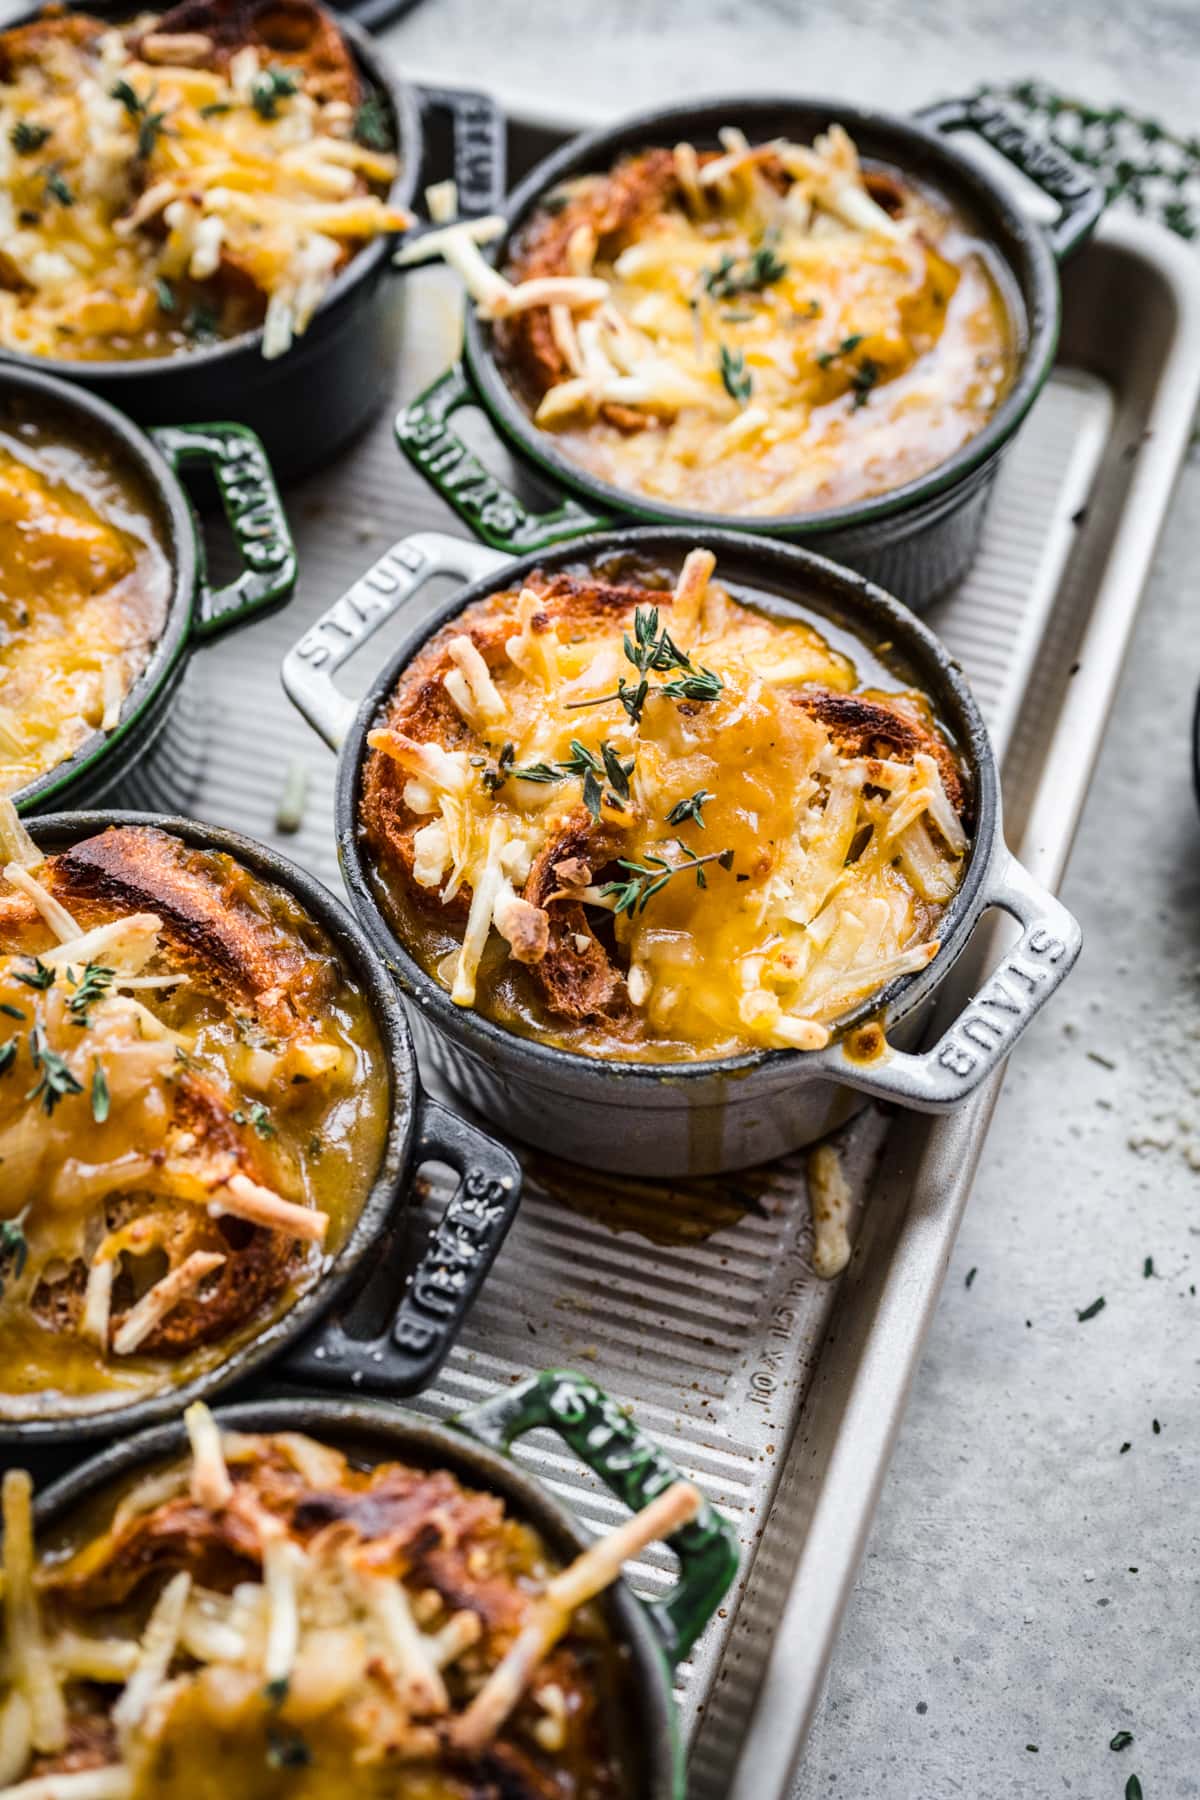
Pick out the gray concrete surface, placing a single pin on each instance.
(1026, 1583)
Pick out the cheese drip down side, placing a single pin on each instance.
(274, 1618)
(767, 330)
(651, 820)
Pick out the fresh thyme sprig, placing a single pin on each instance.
(691, 808)
(651, 650)
(94, 983)
(151, 125)
(644, 880)
(56, 1080)
(594, 769)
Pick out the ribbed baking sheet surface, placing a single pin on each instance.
(694, 1304)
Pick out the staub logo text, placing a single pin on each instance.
(1000, 1009)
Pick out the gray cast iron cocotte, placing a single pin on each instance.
(917, 539)
(357, 1324)
(700, 1117)
(655, 1635)
(197, 613)
(309, 404)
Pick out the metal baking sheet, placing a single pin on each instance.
(695, 1303)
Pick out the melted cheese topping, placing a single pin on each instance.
(132, 1098)
(771, 338)
(756, 881)
(149, 207)
(84, 584)
(312, 1628)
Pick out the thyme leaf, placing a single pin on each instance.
(100, 1094)
(26, 136)
(683, 810)
(56, 1080)
(94, 983)
(272, 86)
(737, 379)
(373, 124)
(41, 978)
(644, 880)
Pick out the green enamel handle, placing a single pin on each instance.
(635, 1469)
(239, 466)
(1080, 199)
(431, 444)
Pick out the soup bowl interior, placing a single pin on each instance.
(123, 379)
(778, 578)
(368, 1433)
(30, 397)
(375, 1219)
(1017, 249)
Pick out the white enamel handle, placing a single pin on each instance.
(376, 597)
(989, 1025)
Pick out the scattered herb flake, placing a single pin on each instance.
(57, 189)
(737, 380)
(215, 109)
(56, 1080)
(164, 295)
(8, 1056)
(1089, 1312)
(272, 86)
(94, 983)
(1155, 1427)
(691, 808)
(276, 1691)
(41, 978)
(760, 269)
(201, 322)
(11, 1012)
(1133, 1789)
(100, 1094)
(373, 124)
(26, 136)
(1121, 1741)
(257, 1116)
(13, 1246)
(1148, 1268)
(971, 1274)
(1124, 1447)
(287, 1749)
(863, 380)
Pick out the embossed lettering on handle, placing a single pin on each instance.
(1060, 177)
(431, 444)
(377, 596)
(408, 1354)
(992, 1021)
(635, 1468)
(246, 484)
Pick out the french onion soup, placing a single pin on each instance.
(274, 1619)
(192, 1111)
(623, 811)
(183, 178)
(769, 329)
(85, 581)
